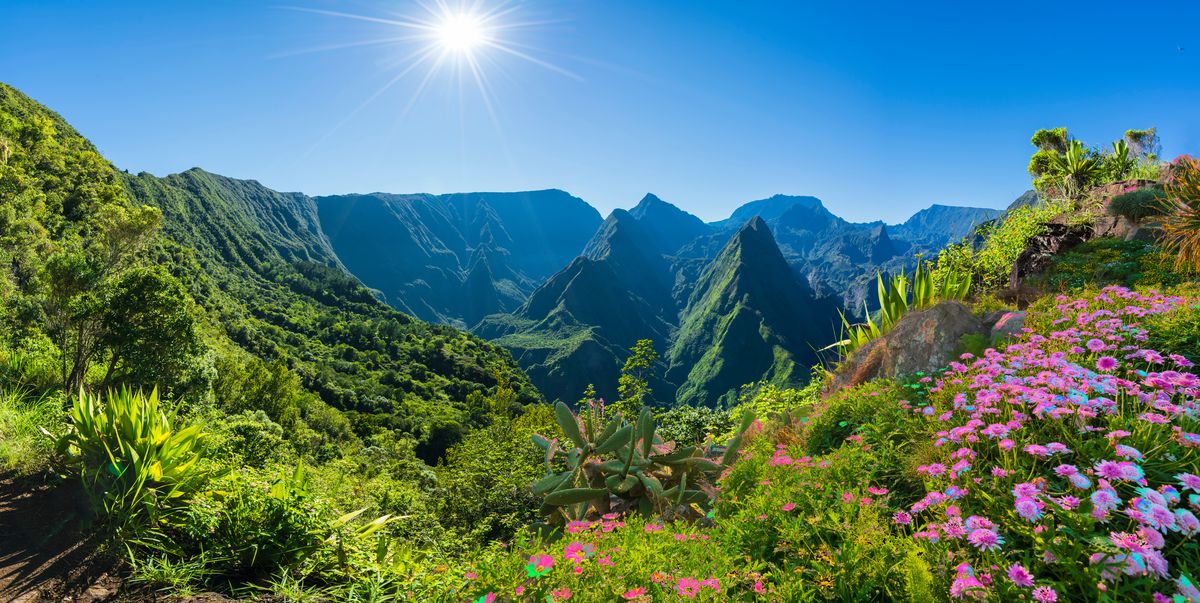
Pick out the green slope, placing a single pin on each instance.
(749, 318)
(362, 357)
(259, 277)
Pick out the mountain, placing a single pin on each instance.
(748, 319)
(767, 209)
(669, 226)
(646, 275)
(456, 258)
(260, 265)
(578, 326)
(939, 225)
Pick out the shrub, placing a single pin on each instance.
(686, 424)
(1137, 205)
(137, 468)
(1109, 261)
(1181, 220)
(991, 263)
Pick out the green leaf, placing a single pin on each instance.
(551, 482)
(572, 496)
(568, 423)
(615, 440)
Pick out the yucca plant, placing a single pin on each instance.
(136, 467)
(895, 303)
(614, 466)
(1075, 169)
(1120, 163)
(1181, 215)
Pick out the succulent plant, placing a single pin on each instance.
(612, 465)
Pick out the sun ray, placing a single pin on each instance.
(459, 39)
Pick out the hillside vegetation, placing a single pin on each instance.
(232, 414)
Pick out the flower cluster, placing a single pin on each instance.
(1091, 457)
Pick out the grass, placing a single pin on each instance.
(24, 447)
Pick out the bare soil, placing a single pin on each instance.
(46, 553)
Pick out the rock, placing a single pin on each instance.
(1007, 325)
(1041, 249)
(922, 341)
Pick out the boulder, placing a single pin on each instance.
(1041, 249)
(1005, 324)
(922, 341)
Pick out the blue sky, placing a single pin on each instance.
(880, 108)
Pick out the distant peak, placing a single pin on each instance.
(756, 223)
(649, 199)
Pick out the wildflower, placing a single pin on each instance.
(1028, 508)
(712, 583)
(578, 551)
(1095, 345)
(488, 598)
(561, 594)
(759, 588)
(985, 540)
(1045, 594)
(1189, 481)
(653, 527)
(634, 593)
(1020, 576)
(901, 518)
(1106, 364)
(788, 506)
(538, 565)
(687, 587)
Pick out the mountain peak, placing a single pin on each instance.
(771, 208)
(670, 226)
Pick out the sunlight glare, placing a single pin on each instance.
(461, 33)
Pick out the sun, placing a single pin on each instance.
(461, 32)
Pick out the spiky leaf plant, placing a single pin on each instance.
(613, 465)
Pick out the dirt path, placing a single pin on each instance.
(43, 554)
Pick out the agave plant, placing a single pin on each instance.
(135, 465)
(894, 303)
(1181, 213)
(612, 465)
(1120, 163)
(1075, 169)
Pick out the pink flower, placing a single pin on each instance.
(634, 593)
(653, 527)
(788, 506)
(1020, 576)
(1045, 594)
(1106, 363)
(688, 587)
(561, 594)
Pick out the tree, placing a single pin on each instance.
(633, 387)
(1143, 144)
(148, 329)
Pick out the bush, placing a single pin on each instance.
(686, 424)
(1181, 219)
(990, 264)
(1137, 205)
(137, 468)
(1110, 261)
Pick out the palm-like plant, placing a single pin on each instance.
(135, 465)
(1120, 163)
(1075, 169)
(894, 303)
(1181, 215)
